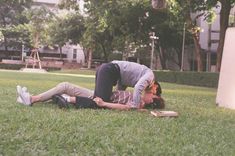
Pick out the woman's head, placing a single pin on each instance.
(148, 97)
(155, 88)
(158, 103)
(152, 97)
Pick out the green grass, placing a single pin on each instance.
(80, 71)
(201, 129)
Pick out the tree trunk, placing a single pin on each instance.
(224, 19)
(4, 37)
(105, 53)
(198, 52)
(124, 56)
(89, 58)
(5, 44)
(195, 35)
(36, 40)
(162, 57)
(179, 56)
(60, 47)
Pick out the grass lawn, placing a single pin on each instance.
(72, 71)
(44, 129)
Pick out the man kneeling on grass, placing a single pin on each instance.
(80, 97)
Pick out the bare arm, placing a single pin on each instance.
(109, 105)
(116, 106)
(143, 82)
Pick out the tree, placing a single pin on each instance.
(39, 18)
(128, 23)
(67, 28)
(10, 17)
(226, 6)
(204, 7)
(17, 35)
(168, 26)
(117, 25)
(185, 9)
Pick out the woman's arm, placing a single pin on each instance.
(109, 105)
(117, 106)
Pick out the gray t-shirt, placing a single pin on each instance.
(134, 75)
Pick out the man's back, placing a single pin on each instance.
(131, 72)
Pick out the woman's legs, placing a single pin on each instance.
(65, 88)
(62, 88)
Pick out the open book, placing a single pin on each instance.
(164, 113)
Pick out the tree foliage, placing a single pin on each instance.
(125, 25)
(11, 20)
(69, 27)
(38, 17)
(115, 25)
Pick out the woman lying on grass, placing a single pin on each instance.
(80, 97)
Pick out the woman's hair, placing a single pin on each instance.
(158, 102)
(158, 88)
(155, 88)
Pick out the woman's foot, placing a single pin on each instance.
(24, 96)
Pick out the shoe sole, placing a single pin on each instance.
(57, 99)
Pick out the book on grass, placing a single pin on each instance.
(164, 113)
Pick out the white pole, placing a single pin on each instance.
(208, 54)
(151, 65)
(183, 44)
(152, 37)
(22, 54)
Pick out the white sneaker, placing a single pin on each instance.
(25, 96)
(24, 89)
(19, 100)
(18, 89)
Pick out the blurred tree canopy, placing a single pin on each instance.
(106, 26)
(11, 20)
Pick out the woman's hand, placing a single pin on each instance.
(142, 104)
(99, 101)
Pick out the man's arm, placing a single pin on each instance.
(143, 82)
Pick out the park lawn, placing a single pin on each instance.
(72, 71)
(44, 129)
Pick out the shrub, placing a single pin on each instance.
(11, 66)
(189, 78)
(19, 66)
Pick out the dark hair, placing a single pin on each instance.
(159, 88)
(158, 103)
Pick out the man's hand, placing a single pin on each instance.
(99, 101)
